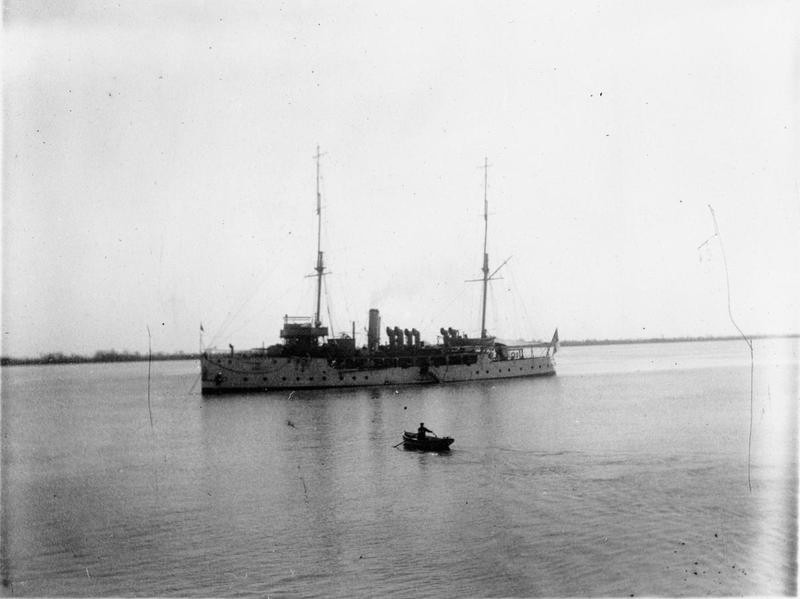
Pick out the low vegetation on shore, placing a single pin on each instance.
(112, 355)
(98, 357)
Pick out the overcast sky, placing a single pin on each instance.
(158, 170)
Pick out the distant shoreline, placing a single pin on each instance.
(98, 358)
(106, 357)
(673, 339)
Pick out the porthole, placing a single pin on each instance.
(298, 378)
(283, 378)
(245, 379)
(324, 378)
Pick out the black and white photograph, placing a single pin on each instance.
(400, 299)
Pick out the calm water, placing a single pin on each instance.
(626, 474)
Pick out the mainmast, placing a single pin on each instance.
(485, 235)
(320, 268)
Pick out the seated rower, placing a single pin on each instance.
(421, 431)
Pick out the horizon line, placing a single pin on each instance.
(110, 355)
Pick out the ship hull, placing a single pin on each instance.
(240, 373)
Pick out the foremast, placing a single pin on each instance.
(302, 333)
(320, 268)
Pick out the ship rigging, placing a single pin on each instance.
(308, 358)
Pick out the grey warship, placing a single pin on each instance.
(308, 358)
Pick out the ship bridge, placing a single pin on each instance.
(300, 330)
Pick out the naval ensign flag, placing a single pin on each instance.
(554, 342)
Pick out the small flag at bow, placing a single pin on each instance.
(202, 330)
(554, 343)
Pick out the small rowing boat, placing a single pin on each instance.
(410, 441)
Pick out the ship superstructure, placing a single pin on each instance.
(308, 358)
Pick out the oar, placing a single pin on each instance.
(399, 444)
